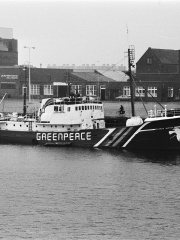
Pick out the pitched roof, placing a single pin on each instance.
(92, 77)
(166, 56)
(115, 75)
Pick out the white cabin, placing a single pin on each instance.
(60, 115)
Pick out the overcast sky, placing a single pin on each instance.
(90, 32)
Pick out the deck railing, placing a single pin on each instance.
(163, 113)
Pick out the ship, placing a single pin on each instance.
(80, 122)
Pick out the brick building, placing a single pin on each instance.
(58, 83)
(158, 72)
(48, 82)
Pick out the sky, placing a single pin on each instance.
(90, 32)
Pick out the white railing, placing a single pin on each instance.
(163, 113)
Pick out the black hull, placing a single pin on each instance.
(160, 134)
(85, 138)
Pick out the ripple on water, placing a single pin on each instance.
(66, 193)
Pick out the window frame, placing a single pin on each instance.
(149, 61)
(48, 89)
(91, 90)
(126, 91)
(8, 83)
(139, 92)
(77, 88)
(153, 91)
(35, 89)
(170, 92)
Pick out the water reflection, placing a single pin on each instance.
(160, 157)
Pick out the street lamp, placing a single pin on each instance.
(29, 73)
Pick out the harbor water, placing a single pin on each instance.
(65, 193)
(73, 193)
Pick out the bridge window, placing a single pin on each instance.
(55, 108)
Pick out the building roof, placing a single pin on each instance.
(115, 75)
(92, 77)
(166, 56)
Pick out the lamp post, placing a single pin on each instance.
(98, 90)
(29, 72)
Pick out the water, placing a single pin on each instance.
(73, 193)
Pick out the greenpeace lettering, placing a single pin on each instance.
(55, 136)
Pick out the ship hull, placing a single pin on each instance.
(83, 138)
(160, 134)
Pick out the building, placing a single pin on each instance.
(57, 83)
(158, 73)
(52, 81)
(8, 48)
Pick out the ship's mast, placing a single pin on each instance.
(131, 57)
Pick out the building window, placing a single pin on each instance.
(8, 85)
(170, 91)
(152, 91)
(149, 60)
(139, 92)
(48, 90)
(35, 89)
(91, 90)
(126, 91)
(77, 89)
